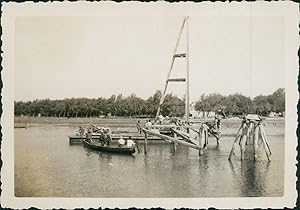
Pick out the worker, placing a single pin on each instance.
(107, 137)
(130, 143)
(148, 123)
(138, 126)
(81, 131)
(121, 142)
(89, 136)
(161, 119)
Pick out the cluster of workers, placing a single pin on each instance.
(105, 136)
(105, 133)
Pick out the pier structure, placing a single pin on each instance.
(179, 135)
(195, 136)
(251, 132)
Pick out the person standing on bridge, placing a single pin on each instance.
(148, 123)
(138, 126)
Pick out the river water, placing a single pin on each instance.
(46, 165)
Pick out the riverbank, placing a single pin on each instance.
(273, 126)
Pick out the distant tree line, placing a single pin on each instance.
(133, 106)
(116, 105)
(237, 104)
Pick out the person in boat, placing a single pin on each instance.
(121, 142)
(81, 131)
(103, 137)
(107, 137)
(89, 136)
(130, 143)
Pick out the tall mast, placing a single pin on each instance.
(186, 79)
(187, 95)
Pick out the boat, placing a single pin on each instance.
(114, 148)
(78, 139)
(21, 125)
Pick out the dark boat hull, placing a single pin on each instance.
(112, 149)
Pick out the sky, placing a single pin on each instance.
(64, 57)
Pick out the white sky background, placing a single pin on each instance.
(64, 57)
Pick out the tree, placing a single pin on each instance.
(202, 105)
(279, 100)
(172, 106)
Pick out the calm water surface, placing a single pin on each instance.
(46, 165)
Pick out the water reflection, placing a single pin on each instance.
(46, 165)
(250, 176)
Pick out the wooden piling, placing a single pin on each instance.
(264, 142)
(206, 136)
(250, 133)
(173, 143)
(243, 145)
(237, 138)
(243, 141)
(255, 141)
(203, 138)
(146, 143)
(200, 142)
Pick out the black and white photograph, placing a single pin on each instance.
(149, 104)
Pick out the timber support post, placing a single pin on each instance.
(264, 140)
(173, 143)
(146, 143)
(255, 140)
(244, 138)
(201, 140)
(237, 138)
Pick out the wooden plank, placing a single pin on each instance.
(184, 136)
(168, 138)
(179, 55)
(173, 126)
(212, 133)
(176, 80)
